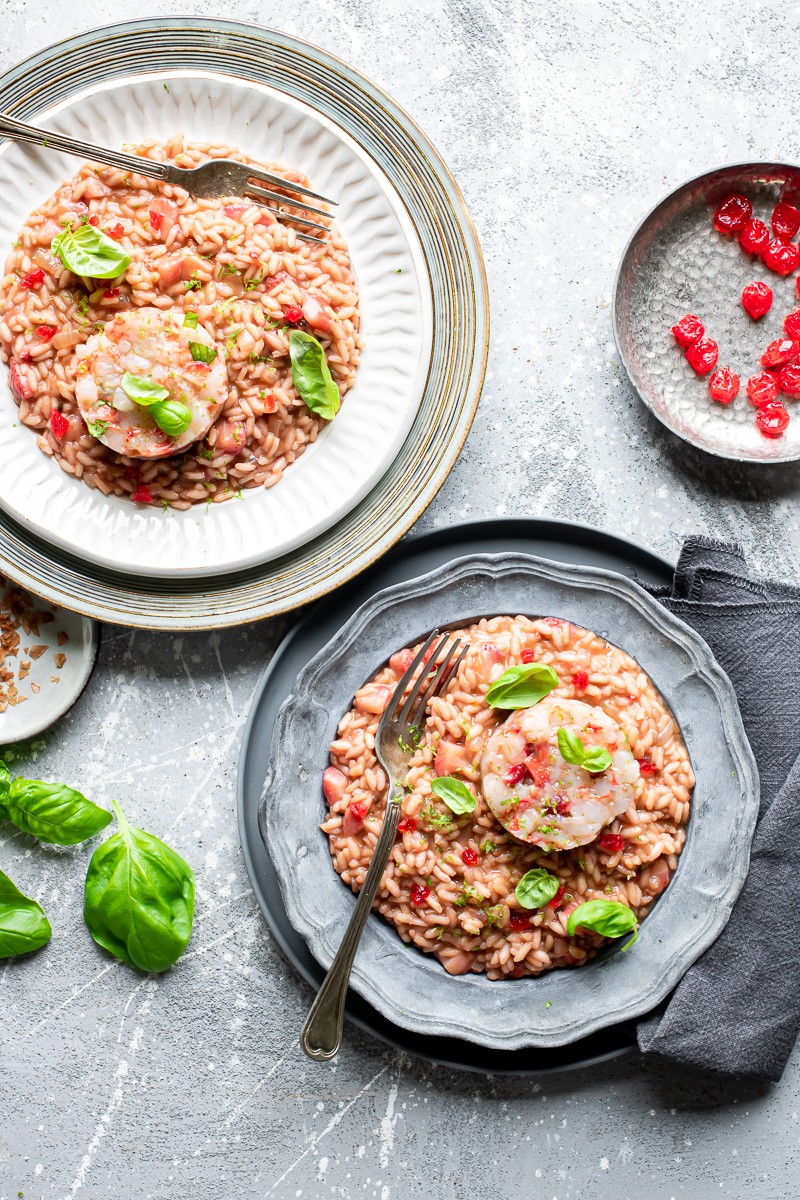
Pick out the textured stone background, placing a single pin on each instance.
(563, 123)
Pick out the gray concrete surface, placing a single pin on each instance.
(563, 124)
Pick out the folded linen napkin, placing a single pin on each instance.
(737, 1009)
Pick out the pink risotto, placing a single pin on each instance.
(514, 817)
(199, 318)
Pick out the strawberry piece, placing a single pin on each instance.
(702, 356)
(756, 299)
(143, 495)
(785, 220)
(688, 331)
(762, 389)
(781, 257)
(789, 380)
(780, 352)
(754, 237)
(59, 424)
(723, 386)
(733, 214)
(772, 420)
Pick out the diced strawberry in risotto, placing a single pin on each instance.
(401, 661)
(18, 380)
(373, 698)
(353, 819)
(316, 315)
(164, 215)
(334, 784)
(451, 758)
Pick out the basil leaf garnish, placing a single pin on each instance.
(606, 917)
(190, 320)
(311, 375)
(23, 925)
(536, 888)
(173, 417)
(142, 391)
(5, 781)
(53, 812)
(87, 251)
(139, 898)
(456, 795)
(201, 352)
(592, 758)
(522, 686)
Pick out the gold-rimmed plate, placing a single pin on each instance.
(455, 275)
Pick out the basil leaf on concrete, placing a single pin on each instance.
(139, 898)
(23, 925)
(53, 812)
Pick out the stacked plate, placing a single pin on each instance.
(424, 310)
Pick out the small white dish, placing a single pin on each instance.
(60, 683)
(353, 452)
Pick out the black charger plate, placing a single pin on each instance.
(415, 556)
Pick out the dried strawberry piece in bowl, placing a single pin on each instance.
(785, 220)
(756, 299)
(702, 356)
(780, 352)
(773, 419)
(687, 331)
(755, 237)
(733, 214)
(762, 388)
(723, 386)
(781, 257)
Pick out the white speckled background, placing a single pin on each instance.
(563, 124)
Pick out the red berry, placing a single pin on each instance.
(646, 767)
(155, 219)
(94, 220)
(797, 286)
(559, 896)
(407, 825)
(581, 680)
(612, 842)
(26, 356)
(143, 495)
(564, 808)
(702, 356)
(789, 380)
(33, 279)
(116, 231)
(723, 385)
(292, 315)
(772, 419)
(785, 220)
(59, 424)
(756, 299)
(762, 388)
(514, 774)
(781, 257)
(45, 332)
(733, 214)
(688, 330)
(111, 293)
(419, 893)
(528, 656)
(791, 325)
(519, 921)
(780, 352)
(469, 857)
(754, 237)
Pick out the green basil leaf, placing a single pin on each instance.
(91, 253)
(139, 898)
(5, 782)
(596, 759)
(522, 686)
(201, 352)
(143, 391)
(23, 925)
(536, 888)
(606, 917)
(190, 320)
(456, 795)
(311, 375)
(570, 746)
(53, 812)
(172, 416)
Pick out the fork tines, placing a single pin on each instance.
(413, 709)
(282, 201)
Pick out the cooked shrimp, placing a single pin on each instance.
(155, 346)
(541, 798)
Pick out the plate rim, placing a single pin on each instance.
(664, 975)
(106, 595)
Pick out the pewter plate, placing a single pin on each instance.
(411, 988)
(677, 263)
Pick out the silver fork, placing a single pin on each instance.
(398, 735)
(217, 177)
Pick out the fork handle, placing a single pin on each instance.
(322, 1032)
(20, 132)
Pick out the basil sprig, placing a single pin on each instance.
(89, 252)
(522, 686)
(5, 781)
(171, 416)
(200, 352)
(23, 925)
(139, 898)
(592, 758)
(311, 375)
(456, 795)
(536, 888)
(606, 917)
(53, 812)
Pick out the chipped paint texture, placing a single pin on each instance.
(563, 123)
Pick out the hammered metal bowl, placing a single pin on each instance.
(677, 263)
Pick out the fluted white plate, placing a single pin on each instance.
(353, 451)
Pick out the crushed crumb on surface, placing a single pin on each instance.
(20, 616)
(59, 660)
(37, 651)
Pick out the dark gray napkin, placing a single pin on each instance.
(737, 1009)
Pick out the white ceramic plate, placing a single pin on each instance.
(59, 686)
(352, 452)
